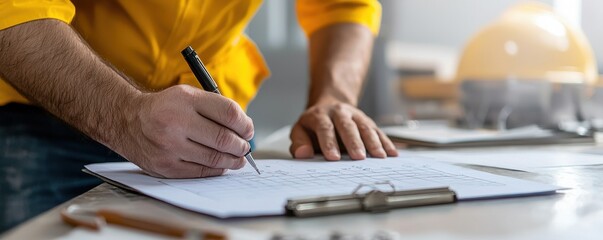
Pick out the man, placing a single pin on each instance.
(114, 72)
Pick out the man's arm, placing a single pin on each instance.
(339, 59)
(167, 133)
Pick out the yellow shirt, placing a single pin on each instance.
(143, 38)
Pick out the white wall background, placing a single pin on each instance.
(592, 25)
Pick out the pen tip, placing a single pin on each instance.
(252, 162)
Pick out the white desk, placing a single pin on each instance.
(576, 213)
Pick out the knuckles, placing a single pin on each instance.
(223, 138)
(227, 141)
(209, 172)
(248, 129)
(362, 127)
(235, 116)
(183, 90)
(324, 126)
(232, 116)
(232, 113)
(214, 159)
(347, 124)
(340, 107)
(205, 172)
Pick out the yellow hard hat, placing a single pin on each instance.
(529, 42)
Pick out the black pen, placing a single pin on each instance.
(208, 84)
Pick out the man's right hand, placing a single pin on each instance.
(185, 132)
(180, 132)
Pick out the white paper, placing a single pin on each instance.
(530, 160)
(448, 135)
(243, 193)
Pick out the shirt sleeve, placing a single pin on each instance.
(316, 14)
(15, 12)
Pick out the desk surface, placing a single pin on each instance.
(575, 213)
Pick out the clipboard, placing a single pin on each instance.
(374, 201)
(243, 198)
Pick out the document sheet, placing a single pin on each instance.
(243, 193)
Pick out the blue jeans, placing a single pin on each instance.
(41, 159)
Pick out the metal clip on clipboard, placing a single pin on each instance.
(372, 201)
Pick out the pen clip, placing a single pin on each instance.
(374, 187)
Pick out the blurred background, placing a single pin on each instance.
(414, 62)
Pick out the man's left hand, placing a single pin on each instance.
(330, 126)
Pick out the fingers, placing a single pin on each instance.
(225, 112)
(301, 144)
(184, 169)
(202, 155)
(371, 139)
(196, 161)
(185, 132)
(325, 133)
(358, 133)
(218, 137)
(387, 143)
(348, 132)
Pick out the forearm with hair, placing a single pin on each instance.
(339, 59)
(48, 62)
